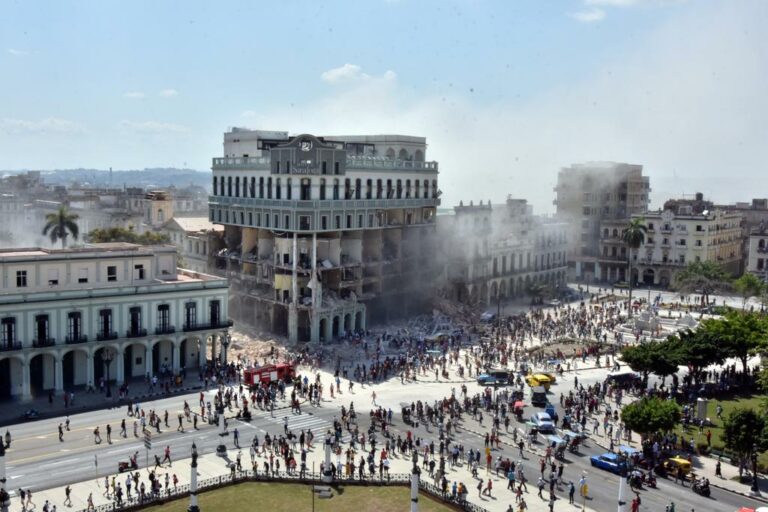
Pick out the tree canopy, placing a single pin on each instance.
(697, 350)
(659, 358)
(704, 277)
(60, 225)
(748, 285)
(743, 431)
(650, 415)
(118, 234)
(739, 334)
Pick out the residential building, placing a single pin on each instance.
(589, 194)
(325, 234)
(193, 238)
(497, 252)
(676, 238)
(72, 317)
(757, 254)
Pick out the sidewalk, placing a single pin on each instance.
(210, 466)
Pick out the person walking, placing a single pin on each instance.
(96, 436)
(123, 432)
(167, 456)
(61, 433)
(571, 491)
(109, 433)
(90, 502)
(68, 496)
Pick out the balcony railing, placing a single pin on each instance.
(165, 329)
(353, 162)
(73, 340)
(106, 335)
(135, 333)
(207, 326)
(8, 347)
(44, 342)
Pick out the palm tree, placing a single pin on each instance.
(59, 225)
(633, 237)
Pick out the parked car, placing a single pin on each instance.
(494, 378)
(539, 396)
(623, 378)
(543, 422)
(609, 461)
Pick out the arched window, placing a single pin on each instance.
(419, 155)
(390, 192)
(615, 233)
(378, 189)
(761, 244)
(402, 155)
(306, 189)
(390, 154)
(347, 189)
(416, 189)
(369, 189)
(221, 186)
(253, 187)
(322, 189)
(605, 233)
(278, 189)
(434, 188)
(288, 191)
(399, 189)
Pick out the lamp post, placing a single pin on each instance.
(225, 341)
(221, 449)
(327, 473)
(755, 489)
(415, 474)
(193, 482)
(107, 355)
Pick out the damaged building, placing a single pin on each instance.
(325, 235)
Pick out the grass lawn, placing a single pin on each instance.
(747, 402)
(278, 497)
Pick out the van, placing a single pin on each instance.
(623, 378)
(539, 396)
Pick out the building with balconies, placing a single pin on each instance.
(676, 238)
(757, 252)
(324, 234)
(107, 311)
(590, 194)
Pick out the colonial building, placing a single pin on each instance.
(757, 253)
(118, 310)
(590, 194)
(325, 234)
(677, 238)
(497, 252)
(195, 238)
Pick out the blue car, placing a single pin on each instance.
(494, 378)
(609, 462)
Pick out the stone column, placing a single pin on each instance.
(119, 366)
(176, 357)
(202, 351)
(213, 348)
(26, 394)
(148, 362)
(58, 375)
(89, 370)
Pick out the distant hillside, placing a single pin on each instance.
(160, 177)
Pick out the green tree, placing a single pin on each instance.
(633, 237)
(697, 350)
(658, 358)
(60, 225)
(744, 431)
(739, 334)
(648, 416)
(705, 278)
(118, 234)
(748, 285)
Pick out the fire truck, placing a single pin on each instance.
(255, 377)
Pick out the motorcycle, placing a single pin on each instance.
(701, 489)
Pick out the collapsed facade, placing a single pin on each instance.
(325, 234)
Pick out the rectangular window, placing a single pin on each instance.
(41, 328)
(105, 323)
(112, 273)
(338, 222)
(325, 167)
(287, 222)
(324, 222)
(215, 312)
(360, 221)
(82, 276)
(138, 272)
(349, 222)
(190, 314)
(9, 331)
(74, 326)
(335, 167)
(258, 219)
(163, 317)
(53, 277)
(21, 279)
(134, 315)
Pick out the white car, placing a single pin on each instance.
(543, 422)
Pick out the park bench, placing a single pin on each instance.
(323, 491)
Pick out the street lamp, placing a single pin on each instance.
(754, 489)
(225, 341)
(193, 507)
(107, 355)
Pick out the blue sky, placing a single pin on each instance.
(505, 91)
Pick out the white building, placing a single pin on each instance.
(757, 253)
(325, 234)
(191, 236)
(62, 311)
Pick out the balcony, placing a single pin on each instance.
(353, 162)
(165, 329)
(10, 346)
(44, 342)
(208, 326)
(74, 340)
(135, 333)
(106, 336)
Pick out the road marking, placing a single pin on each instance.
(65, 461)
(14, 477)
(41, 437)
(127, 448)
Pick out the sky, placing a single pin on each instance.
(506, 92)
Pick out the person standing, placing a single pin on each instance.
(123, 432)
(61, 433)
(109, 433)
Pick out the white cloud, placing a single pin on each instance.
(134, 95)
(50, 125)
(589, 15)
(169, 93)
(16, 52)
(152, 127)
(352, 73)
(687, 104)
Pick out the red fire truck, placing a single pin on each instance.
(270, 373)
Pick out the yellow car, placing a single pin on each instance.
(673, 463)
(538, 379)
(551, 376)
